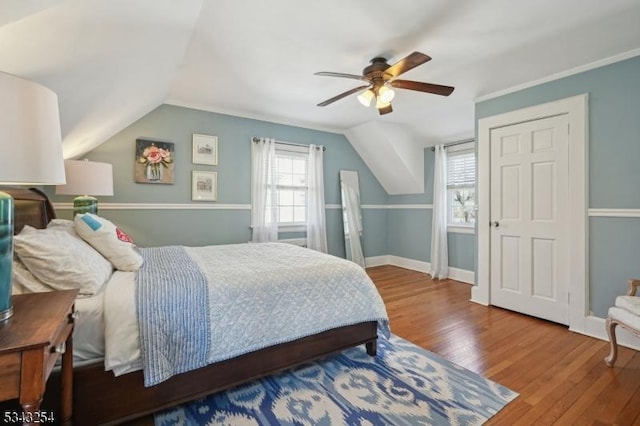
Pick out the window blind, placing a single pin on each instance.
(461, 169)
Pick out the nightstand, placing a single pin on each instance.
(31, 341)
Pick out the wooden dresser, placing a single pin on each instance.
(31, 341)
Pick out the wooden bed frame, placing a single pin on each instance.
(101, 398)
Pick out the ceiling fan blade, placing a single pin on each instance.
(436, 89)
(339, 74)
(385, 110)
(405, 64)
(342, 95)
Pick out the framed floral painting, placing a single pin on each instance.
(154, 161)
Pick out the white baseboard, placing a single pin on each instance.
(414, 265)
(457, 274)
(376, 261)
(595, 327)
(462, 275)
(477, 297)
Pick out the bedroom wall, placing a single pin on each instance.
(190, 225)
(613, 172)
(409, 226)
(398, 225)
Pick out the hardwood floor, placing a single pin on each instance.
(560, 376)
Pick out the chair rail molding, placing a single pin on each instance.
(218, 206)
(614, 213)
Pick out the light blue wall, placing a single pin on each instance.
(410, 229)
(400, 232)
(614, 174)
(203, 227)
(410, 233)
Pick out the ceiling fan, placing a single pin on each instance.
(379, 75)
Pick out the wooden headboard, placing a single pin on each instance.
(31, 207)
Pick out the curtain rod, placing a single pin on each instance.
(433, 148)
(256, 139)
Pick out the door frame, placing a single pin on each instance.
(576, 107)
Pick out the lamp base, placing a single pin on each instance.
(85, 204)
(6, 254)
(6, 314)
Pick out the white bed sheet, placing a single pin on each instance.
(122, 351)
(88, 332)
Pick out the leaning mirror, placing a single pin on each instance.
(351, 216)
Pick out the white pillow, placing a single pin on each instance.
(61, 222)
(24, 282)
(109, 240)
(62, 260)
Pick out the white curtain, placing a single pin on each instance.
(439, 249)
(264, 206)
(316, 224)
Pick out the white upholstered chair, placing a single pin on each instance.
(625, 313)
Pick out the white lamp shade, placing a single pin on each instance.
(87, 178)
(30, 140)
(366, 97)
(385, 95)
(380, 104)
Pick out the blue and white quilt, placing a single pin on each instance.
(200, 305)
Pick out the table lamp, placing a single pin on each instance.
(30, 154)
(86, 179)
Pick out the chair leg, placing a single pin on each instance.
(613, 352)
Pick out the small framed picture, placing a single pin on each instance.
(204, 186)
(205, 149)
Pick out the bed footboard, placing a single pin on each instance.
(101, 398)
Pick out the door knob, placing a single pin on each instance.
(495, 223)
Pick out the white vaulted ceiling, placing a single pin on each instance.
(110, 62)
(113, 61)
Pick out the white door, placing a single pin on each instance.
(529, 218)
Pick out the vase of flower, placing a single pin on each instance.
(155, 159)
(154, 172)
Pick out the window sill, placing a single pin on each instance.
(292, 228)
(455, 229)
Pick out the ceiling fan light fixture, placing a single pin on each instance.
(380, 104)
(366, 97)
(385, 94)
(379, 79)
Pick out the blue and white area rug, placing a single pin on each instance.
(402, 385)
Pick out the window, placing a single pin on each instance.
(461, 185)
(291, 166)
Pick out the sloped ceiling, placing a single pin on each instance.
(391, 155)
(109, 61)
(113, 61)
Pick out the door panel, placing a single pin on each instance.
(529, 214)
(543, 191)
(511, 203)
(510, 270)
(543, 268)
